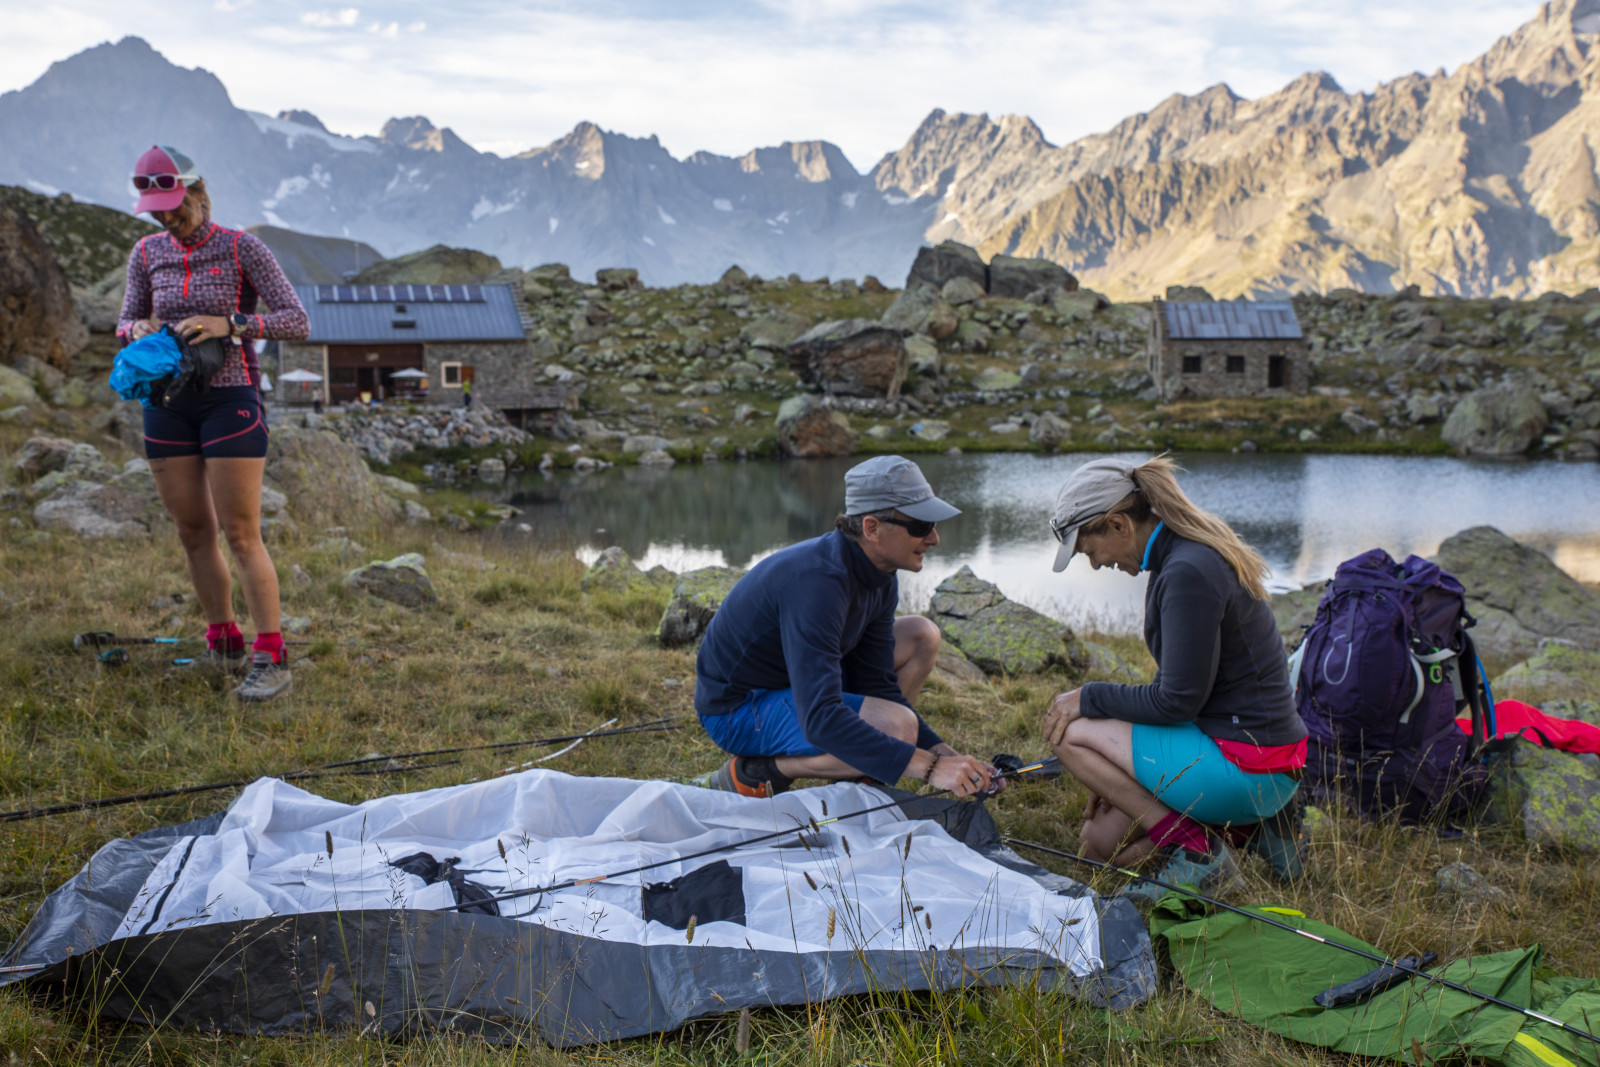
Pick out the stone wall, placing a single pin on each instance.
(1213, 379)
(500, 369)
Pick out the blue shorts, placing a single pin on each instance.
(1188, 773)
(222, 423)
(766, 725)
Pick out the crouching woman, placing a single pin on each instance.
(1212, 749)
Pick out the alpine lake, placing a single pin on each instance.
(1303, 513)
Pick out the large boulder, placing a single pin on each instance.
(1013, 278)
(1000, 635)
(920, 309)
(403, 580)
(124, 507)
(1552, 796)
(617, 279)
(42, 455)
(37, 314)
(1500, 420)
(1295, 610)
(776, 329)
(808, 428)
(1518, 596)
(947, 260)
(16, 388)
(851, 357)
(326, 480)
(696, 596)
(1049, 430)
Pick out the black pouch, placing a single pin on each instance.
(196, 365)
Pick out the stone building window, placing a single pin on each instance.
(1235, 364)
(1191, 364)
(450, 375)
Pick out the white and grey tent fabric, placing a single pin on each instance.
(291, 912)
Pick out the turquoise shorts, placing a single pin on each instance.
(1188, 773)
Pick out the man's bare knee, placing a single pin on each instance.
(916, 637)
(892, 718)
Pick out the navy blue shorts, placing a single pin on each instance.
(223, 423)
(766, 725)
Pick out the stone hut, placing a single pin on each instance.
(419, 342)
(1227, 348)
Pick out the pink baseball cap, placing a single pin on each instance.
(162, 176)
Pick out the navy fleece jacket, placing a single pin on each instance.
(818, 618)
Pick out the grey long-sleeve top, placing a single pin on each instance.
(1220, 660)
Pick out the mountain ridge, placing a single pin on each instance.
(1478, 181)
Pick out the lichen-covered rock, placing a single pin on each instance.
(1107, 666)
(1000, 635)
(1465, 884)
(17, 388)
(919, 309)
(325, 479)
(614, 571)
(1556, 672)
(1294, 611)
(1496, 421)
(958, 291)
(696, 596)
(1553, 796)
(617, 279)
(125, 506)
(996, 379)
(403, 580)
(809, 428)
(775, 330)
(634, 444)
(1518, 595)
(851, 357)
(42, 455)
(954, 662)
(922, 356)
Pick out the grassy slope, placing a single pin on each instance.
(519, 651)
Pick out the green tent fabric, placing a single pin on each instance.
(1268, 976)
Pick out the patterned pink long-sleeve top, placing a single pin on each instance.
(216, 271)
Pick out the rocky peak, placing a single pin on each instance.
(306, 118)
(808, 161)
(581, 153)
(414, 132)
(940, 148)
(1548, 51)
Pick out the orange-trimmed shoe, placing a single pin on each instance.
(726, 778)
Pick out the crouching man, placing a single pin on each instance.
(805, 672)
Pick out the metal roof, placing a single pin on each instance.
(1222, 320)
(410, 314)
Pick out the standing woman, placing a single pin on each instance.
(208, 447)
(1213, 747)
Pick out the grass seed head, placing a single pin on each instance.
(688, 934)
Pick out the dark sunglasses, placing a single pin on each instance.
(914, 527)
(1060, 528)
(164, 182)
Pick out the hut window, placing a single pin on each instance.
(1235, 364)
(450, 375)
(1191, 364)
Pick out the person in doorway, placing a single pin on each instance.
(208, 447)
(1212, 749)
(805, 672)
(466, 392)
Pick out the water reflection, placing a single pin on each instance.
(1304, 513)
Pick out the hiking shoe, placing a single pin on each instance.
(1281, 840)
(728, 779)
(1214, 873)
(265, 680)
(222, 661)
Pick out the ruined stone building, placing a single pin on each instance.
(1227, 348)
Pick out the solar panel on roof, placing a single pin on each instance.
(1232, 320)
(403, 294)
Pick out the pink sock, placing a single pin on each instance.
(1178, 829)
(225, 636)
(272, 643)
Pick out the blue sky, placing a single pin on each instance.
(731, 76)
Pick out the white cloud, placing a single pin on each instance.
(345, 16)
(390, 30)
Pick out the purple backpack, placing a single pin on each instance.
(1384, 670)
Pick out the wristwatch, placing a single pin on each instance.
(237, 322)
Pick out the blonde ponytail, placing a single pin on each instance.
(1160, 496)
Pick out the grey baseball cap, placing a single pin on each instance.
(1088, 493)
(884, 482)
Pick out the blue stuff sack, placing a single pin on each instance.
(146, 367)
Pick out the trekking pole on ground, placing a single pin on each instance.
(327, 770)
(103, 638)
(1400, 964)
(814, 825)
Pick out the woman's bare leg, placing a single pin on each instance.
(236, 489)
(1099, 753)
(184, 490)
